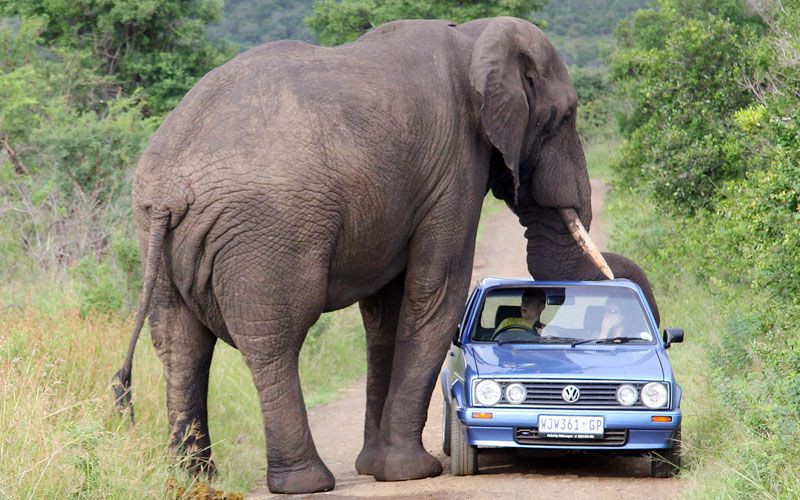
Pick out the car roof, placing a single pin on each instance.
(530, 282)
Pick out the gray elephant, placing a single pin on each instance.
(296, 179)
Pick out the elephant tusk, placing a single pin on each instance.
(578, 232)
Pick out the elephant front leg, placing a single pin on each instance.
(380, 313)
(434, 298)
(185, 347)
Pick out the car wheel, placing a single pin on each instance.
(446, 427)
(667, 463)
(463, 457)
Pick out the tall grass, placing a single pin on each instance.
(61, 436)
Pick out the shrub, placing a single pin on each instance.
(98, 290)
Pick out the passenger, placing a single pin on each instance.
(531, 307)
(613, 322)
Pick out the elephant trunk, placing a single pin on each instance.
(559, 248)
(554, 252)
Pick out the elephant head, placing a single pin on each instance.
(528, 110)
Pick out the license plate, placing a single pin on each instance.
(569, 427)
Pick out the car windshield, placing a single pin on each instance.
(577, 314)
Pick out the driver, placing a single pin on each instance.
(531, 307)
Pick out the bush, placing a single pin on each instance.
(159, 46)
(681, 68)
(98, 290)
(65, 186)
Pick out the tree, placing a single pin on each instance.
(342, 21)
(159, 46)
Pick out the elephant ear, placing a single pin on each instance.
(500, 62)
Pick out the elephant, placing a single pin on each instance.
(296, 179)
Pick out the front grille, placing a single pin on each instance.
(593, 395)
(530, 436)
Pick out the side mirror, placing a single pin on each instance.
(457, 336)
(672, 335)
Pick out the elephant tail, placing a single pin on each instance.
(122, 379)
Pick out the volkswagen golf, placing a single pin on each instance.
(561, 366)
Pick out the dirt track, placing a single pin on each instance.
(337, 427)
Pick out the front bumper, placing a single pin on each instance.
(501, 431)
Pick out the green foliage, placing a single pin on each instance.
(681, 68)
(74, 142)
(125, 250)
(98, 289)
(89, 151)
(341, 21)
(247, 23)
(714, 141)
(159, 46)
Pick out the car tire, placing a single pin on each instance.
(463, 457)
(667, 463)
(446, 427)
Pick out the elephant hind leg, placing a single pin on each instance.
(268, 322)
(380, 313)
(185, 347)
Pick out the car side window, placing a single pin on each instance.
(467, 310)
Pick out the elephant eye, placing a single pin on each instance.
(531, 85)
(548, 125)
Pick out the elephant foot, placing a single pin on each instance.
(365, 463)
(395, 464)
(311, 478)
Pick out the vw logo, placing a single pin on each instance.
(571, 394)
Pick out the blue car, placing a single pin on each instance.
(550, 365)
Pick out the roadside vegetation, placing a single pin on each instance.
(707, 198)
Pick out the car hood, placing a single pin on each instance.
(516, 360)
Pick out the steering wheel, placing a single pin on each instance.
(511, 327)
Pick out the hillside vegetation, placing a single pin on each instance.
(247, 23)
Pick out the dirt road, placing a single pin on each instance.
(337, 426)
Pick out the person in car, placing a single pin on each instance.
(613, 322)
(531, 307)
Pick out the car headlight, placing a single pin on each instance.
(627, 395)
(655, 395)
(488, 392)
(516, 393)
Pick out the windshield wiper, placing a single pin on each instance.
(516, 341)
(541, 340)
(614, 340)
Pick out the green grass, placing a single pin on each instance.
(491, 207)
(61, 436)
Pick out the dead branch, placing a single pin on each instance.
(19, 167)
